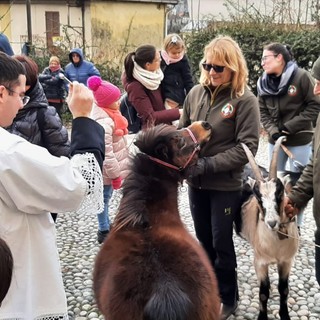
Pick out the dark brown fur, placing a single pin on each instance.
(150, 267)
(6, 267)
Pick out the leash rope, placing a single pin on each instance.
(299, 239)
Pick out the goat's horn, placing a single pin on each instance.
(253, 164)
(274, 159)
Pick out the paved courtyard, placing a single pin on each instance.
(77, 243)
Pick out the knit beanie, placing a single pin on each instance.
(104, 92)
(315, 72)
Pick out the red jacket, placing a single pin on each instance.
(149, 104)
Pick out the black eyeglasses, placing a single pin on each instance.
(264, 58)
(217, 69)
(24, 99)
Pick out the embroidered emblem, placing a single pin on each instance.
(227, 111)
(292, 90)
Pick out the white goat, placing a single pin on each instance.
(272, 235)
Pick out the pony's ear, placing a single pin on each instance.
(141, 142)
(137, 143)
(161, 151)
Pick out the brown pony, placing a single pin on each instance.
(150, 267)
(6, 267)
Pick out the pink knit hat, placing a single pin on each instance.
(105, 93)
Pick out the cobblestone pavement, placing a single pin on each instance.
(77, 243)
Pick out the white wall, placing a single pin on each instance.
(18, 25)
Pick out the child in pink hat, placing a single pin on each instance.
(115, 166)
(107, 97)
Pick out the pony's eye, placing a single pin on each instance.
(181, 143)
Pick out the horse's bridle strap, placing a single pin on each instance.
(172, 166)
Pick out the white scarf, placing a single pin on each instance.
(149, 79)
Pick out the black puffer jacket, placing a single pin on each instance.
(40, 124)
(53, 86)
(177, 81)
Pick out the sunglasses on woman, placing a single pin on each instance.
(208, 67)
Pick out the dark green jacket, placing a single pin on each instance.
(297, 110)
(234, 120)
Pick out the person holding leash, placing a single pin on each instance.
(308, 185)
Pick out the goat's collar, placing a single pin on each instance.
(283, 230)
(172, 166)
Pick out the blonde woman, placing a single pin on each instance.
(223, 99)
(53, 85)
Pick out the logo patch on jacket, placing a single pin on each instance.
(227, 111)
(292, 90)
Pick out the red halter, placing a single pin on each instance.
(172, 166)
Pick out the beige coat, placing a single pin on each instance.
(116, 162)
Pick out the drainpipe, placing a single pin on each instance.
(80, 3)
(168, 10)
(29, 43)
(83, 27)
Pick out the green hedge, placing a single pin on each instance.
(251, 37)
(305, 44)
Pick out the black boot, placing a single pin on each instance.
(228, 287)
(227, 311)
(102, 235)
(317, 255)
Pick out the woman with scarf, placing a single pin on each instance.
(141, 81)
(287, 105)
(53, 85)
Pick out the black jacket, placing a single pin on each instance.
(40, 124)
(177, 81)
(53, 86)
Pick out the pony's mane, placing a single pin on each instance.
(147, 140)
(147, 180)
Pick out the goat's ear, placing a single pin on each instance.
(251, 182)
(287, 182)
(279, 190)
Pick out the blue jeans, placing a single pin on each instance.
(103, 217)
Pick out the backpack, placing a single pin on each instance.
(130, 113)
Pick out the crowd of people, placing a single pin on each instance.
(43, 172)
